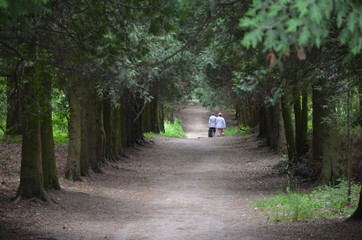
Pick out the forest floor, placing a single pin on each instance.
(196, 188)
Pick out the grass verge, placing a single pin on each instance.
(171, 130)
(322, 202)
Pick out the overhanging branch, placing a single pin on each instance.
(128, 6)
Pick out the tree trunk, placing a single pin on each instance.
(357, 215)
(107, 116)
(14, 104)
(146, 119)
(317, 126)
(72, 170)
(282, 142)
(325, 141)
(298, 124)
(262, 121)
(360, 98)
(304, 123)
(92, 129)
(120, 135)
(100, 133)
(47, 139)
(273, 129)
(84, 121)
(161, 118)
(31, 174)
(123, 123)
(116, 134)
(289, 129)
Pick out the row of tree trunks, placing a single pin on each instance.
(99, 131)
(152, 117)
(280, 129)
(38, 170)
(248, 113)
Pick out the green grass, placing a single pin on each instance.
(171, 130)
(231, 131)
(60, 137)
(10, 140)
(174, 129)
(150, 135)
(323, 202)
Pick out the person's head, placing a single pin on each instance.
(220, 114)
(212, 113)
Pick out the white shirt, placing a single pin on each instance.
(212, 121)
(220, 122)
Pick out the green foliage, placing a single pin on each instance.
(10, 139)
(150, 135)
(322, 202)
(174, 129)
(231, 131)
(279, 24)
(171, 130)
(60, 137)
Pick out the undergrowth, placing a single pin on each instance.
(322, 202)
(231, 131)
(60, 138)
(171, 130)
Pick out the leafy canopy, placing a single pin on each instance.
(280, 24)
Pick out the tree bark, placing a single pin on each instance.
(317, 126)
(72, 170)
(84, 121)
(288, 127)
(100, 133)
(116, 134)
(357, 215)
(161, 118)
(298, 124)
(304, 123)
(15, 103)
(325, 140)
(47, 139)
(262, 122)
(92, 128)
(107, 116)
(31, 173)
(273, 126)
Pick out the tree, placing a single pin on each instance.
(285, 27)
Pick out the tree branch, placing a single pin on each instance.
(12, 49)
(227, 3)
(128, 6)
(183, 47)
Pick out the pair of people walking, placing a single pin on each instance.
(216, 125)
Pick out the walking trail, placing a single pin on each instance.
(197, 188)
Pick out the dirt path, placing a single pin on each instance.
(194, 189)
(199, 186)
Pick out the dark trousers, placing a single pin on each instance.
(212, 132)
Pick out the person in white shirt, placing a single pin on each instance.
(220, 125)
(212, 125)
